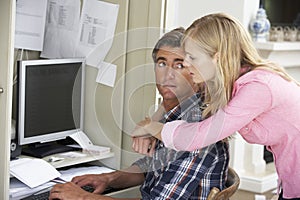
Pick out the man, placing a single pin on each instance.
(167, 174)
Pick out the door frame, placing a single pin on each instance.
(7, 24)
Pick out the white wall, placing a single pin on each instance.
(184, 12)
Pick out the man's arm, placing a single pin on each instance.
(129, 177)
(71, 191)
(132, 176)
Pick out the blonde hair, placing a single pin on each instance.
(223, 36)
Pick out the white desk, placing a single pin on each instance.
(73, 158)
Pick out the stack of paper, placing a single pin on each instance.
(94, 149)
(18, 190)
(86, 144)
(33, 172)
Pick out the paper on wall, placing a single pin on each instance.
(97, 26)
(107, 74)
(62, 26)
(30, 24)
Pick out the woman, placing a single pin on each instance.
(244, 93)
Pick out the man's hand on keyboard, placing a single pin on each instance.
(98, 181)
(71, 191)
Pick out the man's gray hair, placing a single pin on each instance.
(171, 39)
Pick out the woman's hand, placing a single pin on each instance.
(148, 128)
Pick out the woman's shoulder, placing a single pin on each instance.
(257, 75)
(271, 81)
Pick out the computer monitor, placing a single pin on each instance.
(50, 103)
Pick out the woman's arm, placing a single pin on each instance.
(250, 100)
(159, 113)
(146, 144)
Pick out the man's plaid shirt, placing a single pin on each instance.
(171, 174)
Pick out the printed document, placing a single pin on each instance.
(62, 26)
(97, 27)
(30, 24)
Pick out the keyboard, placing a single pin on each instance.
(45, 195)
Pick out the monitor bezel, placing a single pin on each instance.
(48, 137)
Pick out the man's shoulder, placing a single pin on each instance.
(191, 108)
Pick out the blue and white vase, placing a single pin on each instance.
(260, 26)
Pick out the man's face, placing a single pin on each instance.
(173, 80)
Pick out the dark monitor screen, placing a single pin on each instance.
(50, 99)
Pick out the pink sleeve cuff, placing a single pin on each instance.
(168, 133)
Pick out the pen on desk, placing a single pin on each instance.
(58, 180)
(55, 159)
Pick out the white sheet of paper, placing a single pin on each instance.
(33, 172)
(87, 146)
(107, 74)
(97, 27)
(260, 197)
(72, 154)
(30, 24)
(68, 174)
(62, 27)
(82, 139)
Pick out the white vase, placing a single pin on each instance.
(260, 26)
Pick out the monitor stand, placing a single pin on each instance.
(40, 150)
